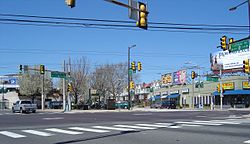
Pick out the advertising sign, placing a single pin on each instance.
(228, 60)
(166, 78)
(227, 86)
(179, 77)
(245, 85)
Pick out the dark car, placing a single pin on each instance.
(56, 104)
(164, 104)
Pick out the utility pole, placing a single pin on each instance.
(64, 91)
(192, 93)
(43, 92)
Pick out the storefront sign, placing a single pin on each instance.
(174, 92)
(166, 78)
(228, 86)
(245, 85)
(185, 91)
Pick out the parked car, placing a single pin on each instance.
(121, 104)
(164, 104)
(24, 106)
(56, 104)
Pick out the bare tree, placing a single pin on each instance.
(110, 79)
(79, 73)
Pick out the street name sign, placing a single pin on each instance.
(56, 74)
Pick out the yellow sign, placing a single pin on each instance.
(245, 85)
(227, 86)
(167, 79)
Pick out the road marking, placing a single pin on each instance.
(165, 124)
(199, 123)
(38, 133)
(224, 122)
(53, 118)
(201, 116)
(174, 127)
(247, 142)
(113, 128)
(142, 114)
(63, 131)
(135, 127)
(153, 125)
(190, 125)
(11, 134)
(89, 129)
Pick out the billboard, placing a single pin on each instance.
(166, 79)
(179, 77)
(228, 61)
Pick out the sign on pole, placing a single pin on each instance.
(56, 74)
(241, 45)
(133, 13)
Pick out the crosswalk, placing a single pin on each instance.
(79, 130)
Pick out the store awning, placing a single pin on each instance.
(157, 97)
(173, 95)
(233, 92)
(164, 96)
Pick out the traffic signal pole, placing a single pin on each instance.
(221, 92)
(43, 92)
(129, 98)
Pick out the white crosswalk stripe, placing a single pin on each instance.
(114, 128)
(89, 129)
(64, 131)
(247, 142)
(39, 133)
(224, 122)
(153, 125)
(135, 127)
(165, 124)
(198, 123)
(11, 134)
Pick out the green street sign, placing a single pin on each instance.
(241, 45)
(214, 79)
(56, 74)
(130, 72)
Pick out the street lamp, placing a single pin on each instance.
(235, 7)
(129, 77)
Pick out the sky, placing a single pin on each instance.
(159, 51)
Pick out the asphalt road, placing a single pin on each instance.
(179, 127)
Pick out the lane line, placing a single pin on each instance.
(135, 127)
(53, 118)
(37, 133)
(224, 122)
(89, 129)
(64, 131)
(190, 125)
(153, 125)
(113, 128)
(11, 134)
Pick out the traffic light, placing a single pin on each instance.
(133, 66)
(20, 68)
(42, 69)
(132, 85)
(193, 74)
(246, 66)
(223, 42)
(139, 66)
(218, 88)
(142, 22)
(231, 40)
(69, 87)
(70, 3)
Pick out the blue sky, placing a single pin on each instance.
(159, 51)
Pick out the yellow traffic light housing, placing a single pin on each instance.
(132, 85)
(70, 3)
(193, 74)
(133, 66)
(218, 88)
(246, 66)
(143, 21)
(139, 67)
(223, 42)
(69, 87)
(42, 69)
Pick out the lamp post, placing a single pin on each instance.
(235, 7)
(129, 77)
